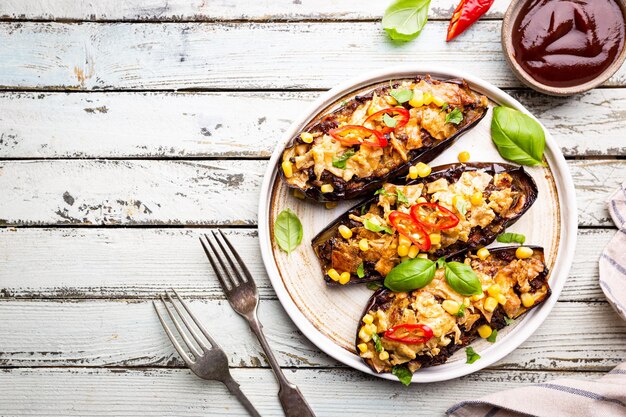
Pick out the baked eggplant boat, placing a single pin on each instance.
(350, 151)
(458, 207)
(424, 327)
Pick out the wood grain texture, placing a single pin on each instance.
(135, 192)
(120, 333)
(158, 392)
(192, 125)
(93, 56)
(142, 263)
(202, 10)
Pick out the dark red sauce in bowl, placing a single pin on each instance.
(565, 43)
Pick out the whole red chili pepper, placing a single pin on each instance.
(465, 14)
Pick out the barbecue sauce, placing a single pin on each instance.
(564, 43)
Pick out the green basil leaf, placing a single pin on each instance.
(360, 271)
(389, 121)
(461, 207)
(340, 161)
(518, 137)
(401, 197)
(441, 262)
(471, 355)
(374, 285)
(410, 275)
(373, 227)
(455, 116)
(287, 230)
(377, 342)
(403, 374)
(405, 19)
(508, 320)
(492, 336)
(401, 96)
(511, 237)
(461, 311)
(462, 279)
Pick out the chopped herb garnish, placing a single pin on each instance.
(401, 96)
(508, 320)
(511, 238)
(360, 271)
(374, 285)
(373, 227)
(389, 121)
(383, 192)
(461, 311)
(340, 161)
(444, 107)
(492, 336)
(364, 208)
(455, 116)
(401, 197)
(471, 355)
(377, 343)
(441, 262)
(403, 374)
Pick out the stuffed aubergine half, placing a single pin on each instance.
(424, 327)
(458, 207)
(376, 136)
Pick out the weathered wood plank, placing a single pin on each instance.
(180, 10)
(134, 192)
(142, 263)
(158, 392)
(119, 333)
(93, 56)
(183, 125)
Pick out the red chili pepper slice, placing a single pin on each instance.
(410, 333)
(377, 123)
(406, 226)
(434, 216)
(358, 135)
(465, 14)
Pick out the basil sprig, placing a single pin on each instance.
(373, 227)
(511, 238)
(462, 279)
(518, 137)
(405, 19)
(403, 374)
(411, 275)
(455, 116)
(401, 96)
(287, 230)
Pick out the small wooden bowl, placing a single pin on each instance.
(510, 18)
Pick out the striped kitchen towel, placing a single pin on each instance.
(605, 397)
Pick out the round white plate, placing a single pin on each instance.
(328, 316)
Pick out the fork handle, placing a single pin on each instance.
(291, 399)
(234, 389)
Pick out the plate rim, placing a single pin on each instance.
(565, 250)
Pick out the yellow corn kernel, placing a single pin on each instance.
(490, 304)
(306, 137)
(413, 251)
(363, 335)
(344, 278)
(484, 331)
(477, 297)
(371, 328)
(368, 319)
(367, 330)
(403, 240)
(451, 306)
(494, 290)
(418, 98)
(383, 356)
(501, 299)
(391, 101)
(466, 301)
(438, 101)
(287, 169)
(413, 173)
(464, 157)
(423, 170)
(333, 274)
(299, 194)
(523, 252)
(345, 231)
(422, 200)
(327, 188)
(362, 347)
(476, 198)
(423, 255)
(482, 253)
(428, 98)
(331, 205)
(435, 238)
(528, 300)
(403, 250)
(372, 108)
(364, 245)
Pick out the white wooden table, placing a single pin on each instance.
(129, 128)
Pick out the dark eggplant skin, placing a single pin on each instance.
(364, 186)
(381, 298)
(452, 172)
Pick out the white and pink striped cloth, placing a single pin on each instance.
(605, 397)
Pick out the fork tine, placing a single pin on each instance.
(177, 346)
(190, 328)
(227, 256)
(210, 255)
(195, 320)
(180, 329)
(239, 260)
(233, 281)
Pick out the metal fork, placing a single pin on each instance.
(243, 297)
(210, 362)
